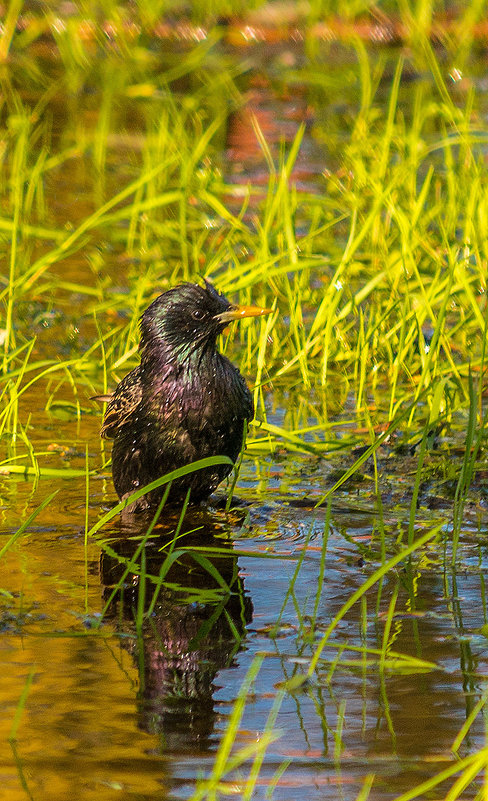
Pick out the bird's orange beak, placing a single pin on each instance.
(238, 312)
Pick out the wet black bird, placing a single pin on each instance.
(183, 402)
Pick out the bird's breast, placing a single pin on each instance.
(212, 401)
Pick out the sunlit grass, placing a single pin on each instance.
(376, 269)
(399, 307)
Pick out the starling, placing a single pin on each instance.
(183, 402)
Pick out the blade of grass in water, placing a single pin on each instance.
(225, 761)
(377, 575)
(471, 449)
(21, 705)
(201, 464)
(25, 525)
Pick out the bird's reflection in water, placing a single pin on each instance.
(194, 628)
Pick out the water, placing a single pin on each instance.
(116, 710)
(140, 713)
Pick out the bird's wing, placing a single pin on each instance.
(121, 404)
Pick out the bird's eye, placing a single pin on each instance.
(198, 314)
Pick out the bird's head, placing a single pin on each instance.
(188, 318)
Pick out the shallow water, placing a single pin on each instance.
(114, 710)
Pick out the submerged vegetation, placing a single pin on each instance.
(346, 186)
